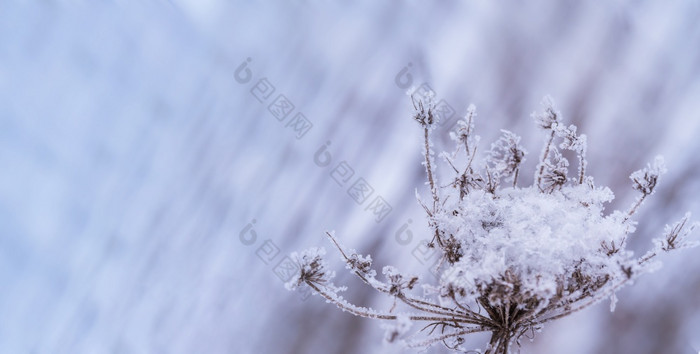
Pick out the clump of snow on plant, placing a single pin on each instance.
(538, 238)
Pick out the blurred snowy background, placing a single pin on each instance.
(151, 185)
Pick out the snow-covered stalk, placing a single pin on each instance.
(582, 163)
(548, 121)
(427, 120)
(543, 158)
(513, 258)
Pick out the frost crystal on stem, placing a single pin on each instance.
(513, 258)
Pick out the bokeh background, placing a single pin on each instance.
(148, 196)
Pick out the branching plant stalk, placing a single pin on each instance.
(476, 231)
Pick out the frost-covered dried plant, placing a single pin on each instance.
(512, 258)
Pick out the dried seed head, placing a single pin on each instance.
(424, 113)
(506, 155)
(312, 268)
(645, 180)
(555, 171)
(549, 119)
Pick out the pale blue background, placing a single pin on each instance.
(132, 159)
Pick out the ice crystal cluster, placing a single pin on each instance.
(512, 257)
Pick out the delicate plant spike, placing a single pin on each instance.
(512, 258)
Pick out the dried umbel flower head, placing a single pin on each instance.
(512, 258)
(312, 270)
